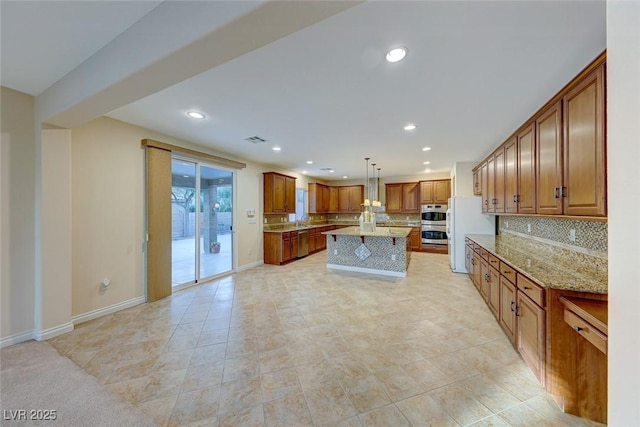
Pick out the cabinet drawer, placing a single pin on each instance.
(476, 247)
(586, 330)
(533, 291)
(484, 253)
(494, 262)
(508, 272)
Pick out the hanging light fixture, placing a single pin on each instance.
(377, 202)
(367, 201)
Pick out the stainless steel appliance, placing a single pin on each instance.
(434, 215)
(303, 243)
(434, 224)
(434, 234)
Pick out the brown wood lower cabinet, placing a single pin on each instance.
(508, 308)
(530, 327)
(280, 248)
(560, 334)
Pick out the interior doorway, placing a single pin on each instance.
(201, 222)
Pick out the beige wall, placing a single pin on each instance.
(18, 214)
(53, 296)
(108, 212)
(623, 139)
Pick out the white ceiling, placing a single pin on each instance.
(475, 71)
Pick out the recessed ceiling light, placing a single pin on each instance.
(304, 172)
(426, 148)
(331, 171)
(427, 170)
(309, 162)
(196, 115)
(344, 177)
(396, 54)
(410, 126)
(426, 163)
(276, 148)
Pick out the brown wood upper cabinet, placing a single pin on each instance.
(279, 193)
(477, 182)
(584, 147)
(340, 199)
(571, 151)
(402, 197)
(493, 181)
(350, 198)
(555, 164)
(319, 198)
(435, 191)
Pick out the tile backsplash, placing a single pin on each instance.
(589, 235)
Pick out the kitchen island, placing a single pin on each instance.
(383, 251)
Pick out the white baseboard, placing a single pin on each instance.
(81, 318)
(52, 332)
(249, 266)
(16, 339)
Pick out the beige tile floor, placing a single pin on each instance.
(297, 345)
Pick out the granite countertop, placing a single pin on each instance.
(283, 228)
(401, 232)
(548, 266)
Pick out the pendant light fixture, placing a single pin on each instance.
(367, 201)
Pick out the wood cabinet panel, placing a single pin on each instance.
(477, 269)
(530, 334)
(415, 239)
(484, 173)
(442, 191)
(499, 182)
(477, 182)
(491, 184)
(511, 176)
(584, 147)
(393, 197)
(334, 198)
(484, 279)
(549, 161)
(426, 192)
(279, 193)
(402, 197)
(526, 165)
(410, 197)
(494, 291)
(508, 308)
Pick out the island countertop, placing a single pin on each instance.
(401, 232)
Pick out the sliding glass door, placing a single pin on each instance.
(202, 222)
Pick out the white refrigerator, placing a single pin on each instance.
(464, 216)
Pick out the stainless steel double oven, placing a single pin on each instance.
(434, 224)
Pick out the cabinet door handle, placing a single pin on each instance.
(563, 192)
(486, 277)
(578, 328)
(517, 312)
(512, 305)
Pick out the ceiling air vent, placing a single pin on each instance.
(255, 139)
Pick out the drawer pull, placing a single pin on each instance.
(578, 328)
(506, 272)
(526, 287)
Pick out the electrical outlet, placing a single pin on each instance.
(249, 251)
(528, 262)
(335, 252)
(506, 224)
(528, 228)
(572, 235)
(393, 257)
